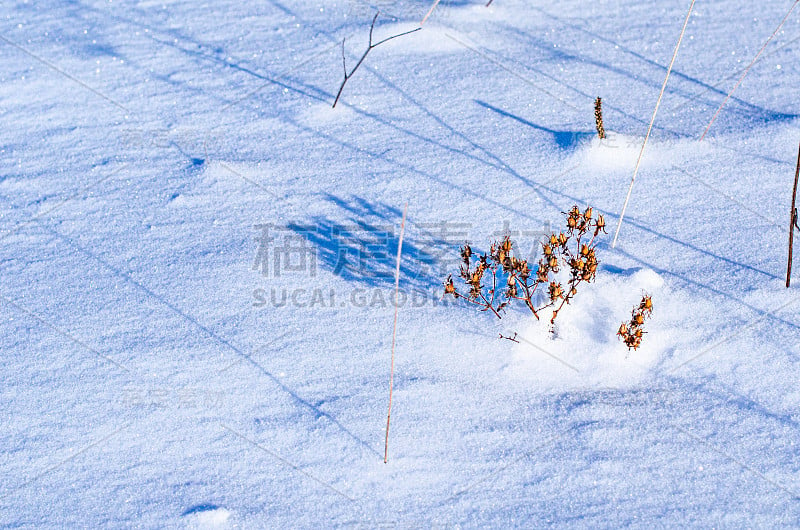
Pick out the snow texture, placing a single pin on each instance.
(196, 277)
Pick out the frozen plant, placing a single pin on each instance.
(497, 279)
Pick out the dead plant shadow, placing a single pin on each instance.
(359, 244)
(563, 139)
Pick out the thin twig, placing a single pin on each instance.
(430, 12)
(793, 221)
(490, 305)
(652, 120)
(394, 330)
(739, 82)
(512, 339)
(370, 46)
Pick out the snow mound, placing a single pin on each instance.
(616, 151)
(584, 351)
(207, 517)
(619, 151)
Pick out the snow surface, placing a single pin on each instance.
(153, 374)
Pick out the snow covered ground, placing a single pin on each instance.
(197, 255)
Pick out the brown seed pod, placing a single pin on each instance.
(449, 288)
(556, 291)
(647, 304)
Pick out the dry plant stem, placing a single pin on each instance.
(370, 47)
(739, 82)
(528, 297)
(793, 221)
(512, 338)
(490, 305)
(429, 13)
(394, 331)
(598, 118)
(652, 120)
(485, 306)
(573, 283)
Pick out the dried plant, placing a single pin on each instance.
(793, 221)
(598, 118)
(632, 332)
(370, 47)
(497, 279)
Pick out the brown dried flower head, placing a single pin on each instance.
(632, 332)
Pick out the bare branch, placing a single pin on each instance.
(793, 221)
(370, 47)
(372, 27)
(395, 36)
(344, 60)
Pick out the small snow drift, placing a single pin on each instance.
(616, 151)
(620, 152)
(206, 516)
(584, 351)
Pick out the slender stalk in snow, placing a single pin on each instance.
(739, 82)
(430, 12)
(394, 329)
(652, 120)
